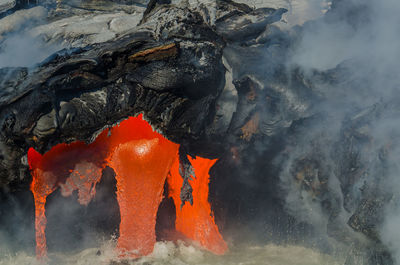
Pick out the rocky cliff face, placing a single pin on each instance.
(219, 79)
(169, 66)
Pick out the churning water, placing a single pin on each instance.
(180, 253)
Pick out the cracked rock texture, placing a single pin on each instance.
(214, 77)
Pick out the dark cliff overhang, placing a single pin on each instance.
(169, 68)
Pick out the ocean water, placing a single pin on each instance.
(181, 253)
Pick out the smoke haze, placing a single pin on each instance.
(361, 47)
(18, 47)
(359, 42)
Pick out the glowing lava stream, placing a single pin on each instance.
(195, 221)
(141, 159)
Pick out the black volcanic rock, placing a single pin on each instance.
(169, 68)
(221, 87)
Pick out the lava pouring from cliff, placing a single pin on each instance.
(141, 160)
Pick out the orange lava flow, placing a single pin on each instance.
(196, 221)
(69, 166)
(141, 167)
(42, 186)
(141, 159)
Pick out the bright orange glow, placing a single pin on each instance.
(141, 159)
(41, 186)
(141, 167)
(141, 163)
(61, 165)
(196, 221)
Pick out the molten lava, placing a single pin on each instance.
(196, 221)
(141, 159)
(60, 167)
(141, 167)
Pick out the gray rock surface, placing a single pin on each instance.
(6, 5)
(87, 29)
(214, 77)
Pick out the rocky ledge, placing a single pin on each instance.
(216, 79)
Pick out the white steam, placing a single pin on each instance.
(18, 47)
(23, 50)
(366, 44)
(185, 254)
